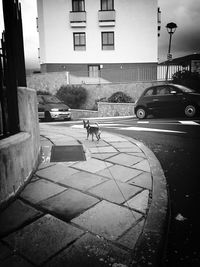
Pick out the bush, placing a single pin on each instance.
(120, 97)
(73, 96)
(40, 92)
(187, 78)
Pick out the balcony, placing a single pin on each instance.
(77, 19)
(106, 18)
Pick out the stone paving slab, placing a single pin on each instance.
(125, 159)
(68, 204)
(125, 144)
(92, 165)
(143, 165)
(5, 252)
(130, 238)
(103, 156)
(83, 180)
(120, 173)
(40, 190)
(16, 215)
(115, 191)
(91, 251)
(139, 202)
(144, 180)
(49, 232)
(57, 172)
(15, 261)
(107, 220)
(106, 149)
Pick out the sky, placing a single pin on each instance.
(186, 39)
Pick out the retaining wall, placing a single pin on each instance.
(106, 109)
(19, 153)
(51, 82)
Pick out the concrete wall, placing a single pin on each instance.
(19, 154)
(106, 109)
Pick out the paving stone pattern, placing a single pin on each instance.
(88, 213)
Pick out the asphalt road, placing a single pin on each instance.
(176, 144)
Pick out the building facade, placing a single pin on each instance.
(91, 35)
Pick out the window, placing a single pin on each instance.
(78, 5)
(150, 92)
(94, 70)
(79, 41)
(107, 5)
(162, 90)
(107, 39)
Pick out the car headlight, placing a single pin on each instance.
(54, 109)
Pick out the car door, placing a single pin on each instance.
(167, 100)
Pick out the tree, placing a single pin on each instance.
(73, 96)
(187, 78)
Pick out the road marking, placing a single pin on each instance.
(148, 129)
(189, 123)
(144, 122)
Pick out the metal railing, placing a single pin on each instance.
(12, 68)
(124, 75)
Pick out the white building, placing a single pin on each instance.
(89, 35)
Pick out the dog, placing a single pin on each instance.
(92, 130)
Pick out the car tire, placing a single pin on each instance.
(141, 113)
(47, 116)
(190, 111)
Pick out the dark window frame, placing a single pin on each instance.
(77, 6)
(107, 2)
(79, 44)
(108, 44)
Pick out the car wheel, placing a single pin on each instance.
(141, 113)
(48, 116)
(190, 111)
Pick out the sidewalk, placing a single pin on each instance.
(107, 209)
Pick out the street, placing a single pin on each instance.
(176, 144)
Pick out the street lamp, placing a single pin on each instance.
(171, 28)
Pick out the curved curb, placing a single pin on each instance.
(150, 245)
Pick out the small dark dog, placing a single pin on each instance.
(92, 129)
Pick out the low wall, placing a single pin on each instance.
(19, 154)
(106, 109)
(79, 114)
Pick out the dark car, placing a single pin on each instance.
(50, 107)
(169, 99)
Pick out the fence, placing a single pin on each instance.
(137, 74)
(12, 68)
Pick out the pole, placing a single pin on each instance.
(169, 50)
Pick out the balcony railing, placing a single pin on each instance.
(106, 18)
(77, 19)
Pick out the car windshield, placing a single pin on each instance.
(185, 89)
(51, 99)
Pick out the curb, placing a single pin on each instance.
(150, 245)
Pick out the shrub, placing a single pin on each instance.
(120, 97)
(73, 96)
(40, 92)
(187, 78)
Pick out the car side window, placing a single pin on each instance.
(150, 92)
(163, 90)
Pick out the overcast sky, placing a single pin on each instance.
(186, 39)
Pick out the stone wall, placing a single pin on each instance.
(19, 153)
(106, 109)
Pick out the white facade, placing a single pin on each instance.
(134, 23)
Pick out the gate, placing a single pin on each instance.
(12, 68)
